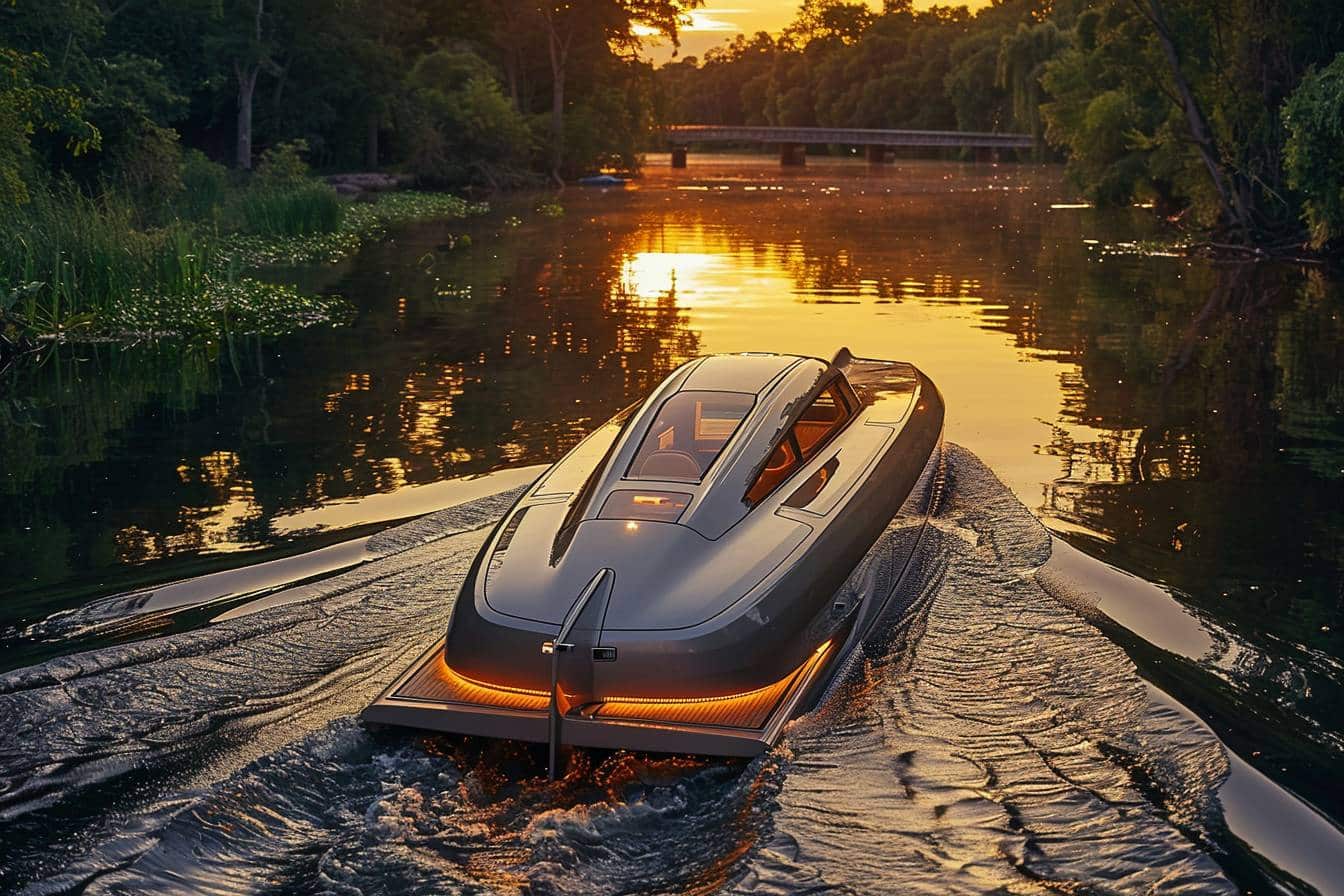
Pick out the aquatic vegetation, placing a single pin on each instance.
(246, 306)
(360, 222)
(251, 251)
(74, 256)
(409, 207)
(294, 210)
(77, 267)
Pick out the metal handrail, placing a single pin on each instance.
(561, 645)
(711, 133)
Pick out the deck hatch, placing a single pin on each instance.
(657, 506)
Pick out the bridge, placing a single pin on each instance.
(793, 142)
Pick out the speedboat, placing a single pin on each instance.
(675, 582)
(602, 180)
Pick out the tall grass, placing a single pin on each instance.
(70, 259)
(206, 187)
(89, 266)
(73, 255)
(298, 209)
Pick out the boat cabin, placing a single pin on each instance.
(719, 437)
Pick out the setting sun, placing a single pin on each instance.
(719, 20)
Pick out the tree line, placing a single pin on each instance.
(468, 92)
(1227, 115)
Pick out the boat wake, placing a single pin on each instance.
(989, 740)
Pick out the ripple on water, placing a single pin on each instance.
(997, 747)
(990, 741)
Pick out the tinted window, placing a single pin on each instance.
(824, 417)
(690, 430)
(806, 493)
(783, 461)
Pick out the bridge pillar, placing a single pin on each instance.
(877, 155)
(793, 154)
(678, 157)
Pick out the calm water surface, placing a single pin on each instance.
(1177, 425)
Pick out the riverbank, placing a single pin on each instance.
(78, 268)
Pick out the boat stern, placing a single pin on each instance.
(433, 696)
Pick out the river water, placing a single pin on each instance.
(1122, 669)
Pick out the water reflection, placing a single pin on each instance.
(1190, 416)
(1183, 420)
(458, 363)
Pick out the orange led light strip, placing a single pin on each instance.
(749, 709)
(744, 695)
(469, 690)
(488, 686)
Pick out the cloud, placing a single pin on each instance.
(703, 21)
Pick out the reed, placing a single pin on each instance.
(206, 188)
(299, 209)
(75, 255)
(78, 266)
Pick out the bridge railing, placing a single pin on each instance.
(709, 133)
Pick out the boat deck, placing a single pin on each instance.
(432, 695)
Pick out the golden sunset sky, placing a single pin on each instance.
(719, 20)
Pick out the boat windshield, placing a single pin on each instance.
(689, 432)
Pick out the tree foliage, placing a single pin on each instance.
(456, 123)
(1180, 101)
(1314, 153)
(1205, 108)
(132, 84)
(839, 64)
(28, 107)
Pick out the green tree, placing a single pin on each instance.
(973, 67)
(1188, 95)
(1022, 58)
(459, 126)
(1107, 110)
(27, 107)
(840, 64)
(829, 20)
(1314, 153)
(243, 40)
(592, 29)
